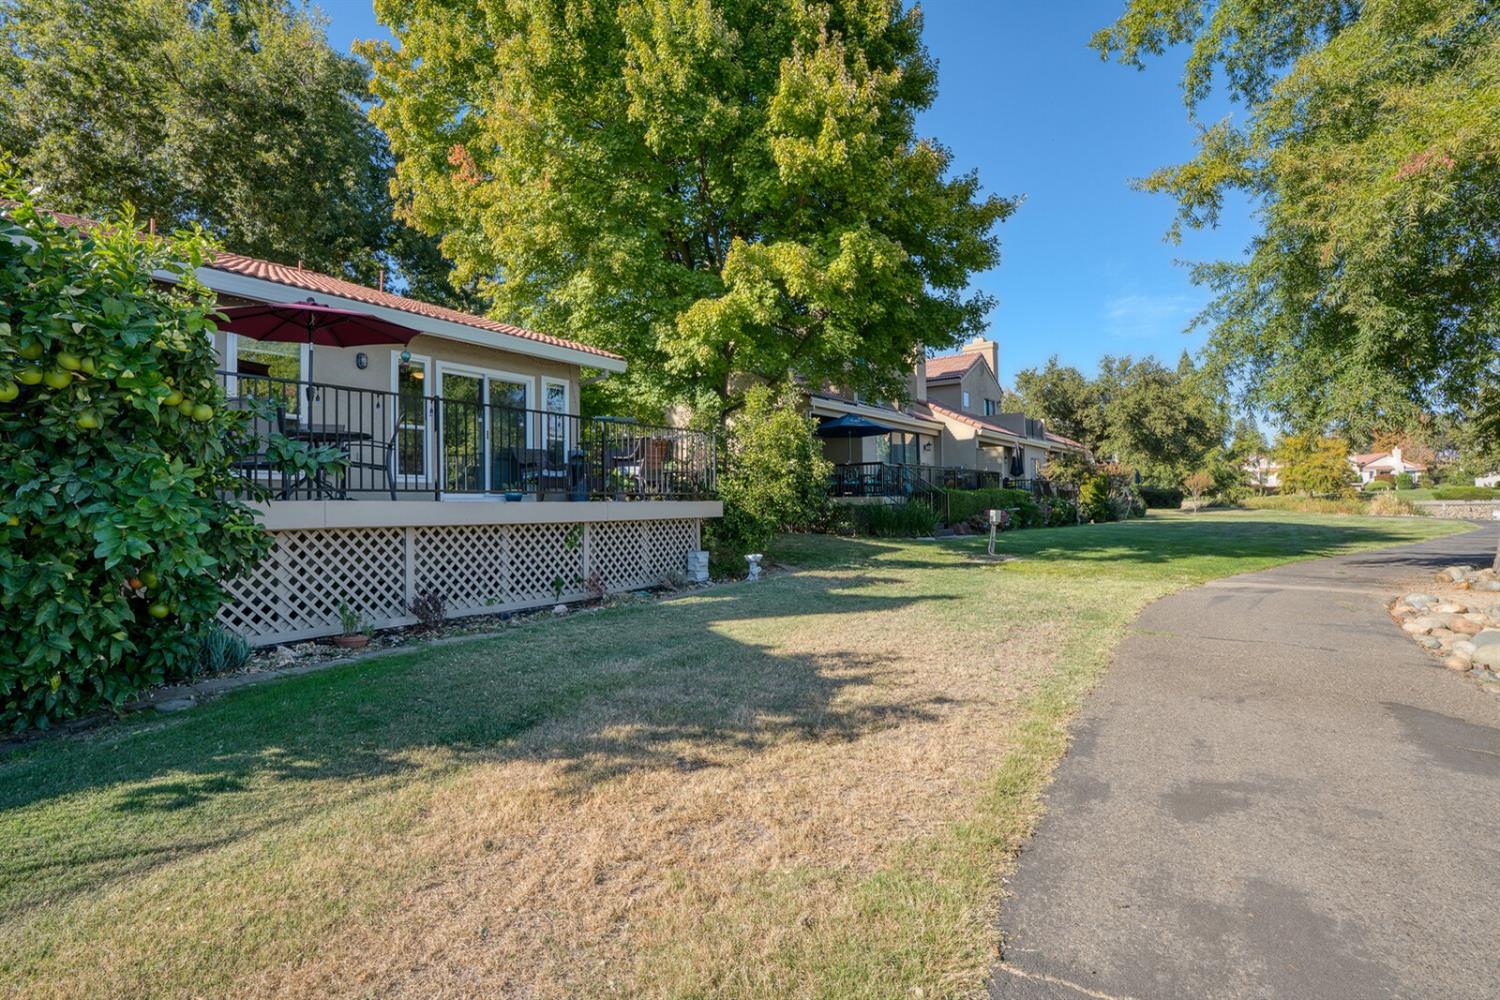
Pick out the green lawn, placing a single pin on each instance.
(803, 787)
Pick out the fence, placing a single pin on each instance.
(383, 444)
(296, 592)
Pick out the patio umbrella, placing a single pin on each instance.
(850, 427)
(308, 323)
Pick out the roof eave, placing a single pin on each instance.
(263, 289)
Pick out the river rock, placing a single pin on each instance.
(1488, 637)
(1458, 663)
(1429, 642)
(1486, 656)
(1464, 648)
(1465, 624)
(1419, 600)
(1449, 608)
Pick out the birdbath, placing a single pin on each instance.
(753, 561)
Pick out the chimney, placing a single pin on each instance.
(382, 279)
(919, 378)
(1396, 455)
(989, 350)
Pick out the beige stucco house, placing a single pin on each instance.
(951, 431)
(466, 468)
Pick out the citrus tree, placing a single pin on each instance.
(115, 451)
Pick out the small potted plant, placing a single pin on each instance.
(355, 636)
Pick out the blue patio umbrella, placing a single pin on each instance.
(850, 427)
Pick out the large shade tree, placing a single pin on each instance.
(235, 115)
(1369, 145)
(727, 192)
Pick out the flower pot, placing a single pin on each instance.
(355, 641)
(513, 497)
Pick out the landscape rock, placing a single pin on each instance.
(1487, 637)
(1464, 648)
(1465, 624)
(1419, 600)
(1488, 676)
(1458, 663)
(1487, 585)
(560, 609)
(1449, 608)
(1486, 656)
(1429, 642)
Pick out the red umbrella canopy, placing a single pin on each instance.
(310, 323)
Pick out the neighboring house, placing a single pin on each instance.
(442, 437)
(1492, 480)
(1376, 464)
(950, 433)
(1263, 472)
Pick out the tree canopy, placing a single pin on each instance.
(726, 193)
(235, 115)
(1370, 146)
(1161, 421)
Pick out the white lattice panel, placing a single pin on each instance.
(465, 563)
(617, 553)
(670, 542)
(546, 561)
(296, 591)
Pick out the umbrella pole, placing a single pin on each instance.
(310, 389)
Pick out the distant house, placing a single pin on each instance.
(1263, 472)
(1385, 464)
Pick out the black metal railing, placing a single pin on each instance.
(315, 441)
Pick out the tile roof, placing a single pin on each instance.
(313, 281)
(950, 366)
(1371, 457)
(910, 414)
(943, 413)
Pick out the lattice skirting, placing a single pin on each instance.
(296, 591)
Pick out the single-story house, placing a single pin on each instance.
(468, 474)
(950, 433)
(1376, 464)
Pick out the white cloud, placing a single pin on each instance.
(1148, 317)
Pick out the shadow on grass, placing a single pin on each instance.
(624, 689)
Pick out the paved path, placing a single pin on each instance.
(1273, 793)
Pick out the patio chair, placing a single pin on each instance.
(257, 466)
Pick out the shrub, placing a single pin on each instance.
(1390, 505)
(1465, 493)
(115, 456)
(429, 608)
(221, 650)
(1307, 505)
(775, 477)
(1161, 497)
(1093, 499)
(1404, 481)
(911, 519)
(1376, 485)
(1061, 512)
(1315, 465)
(964, 504)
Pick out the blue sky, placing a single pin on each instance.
(1023, 100)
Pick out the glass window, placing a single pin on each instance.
(966, 399)
(989, 407)
(411, 418)
(272, 360)
(903, 447)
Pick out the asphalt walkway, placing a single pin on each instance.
(1273, 793)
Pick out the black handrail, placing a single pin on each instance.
(388, 445)
(889, 479)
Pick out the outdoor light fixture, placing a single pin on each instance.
(405, 356)
(361, 360)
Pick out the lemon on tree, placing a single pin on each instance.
(9, 391)
(30, 375)
(69, 361)
(58, 379)
(31, 351)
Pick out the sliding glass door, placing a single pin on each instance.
(484, 429)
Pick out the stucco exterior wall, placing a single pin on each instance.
(336, 366)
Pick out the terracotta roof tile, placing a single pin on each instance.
(950, 366)
(313, 281)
